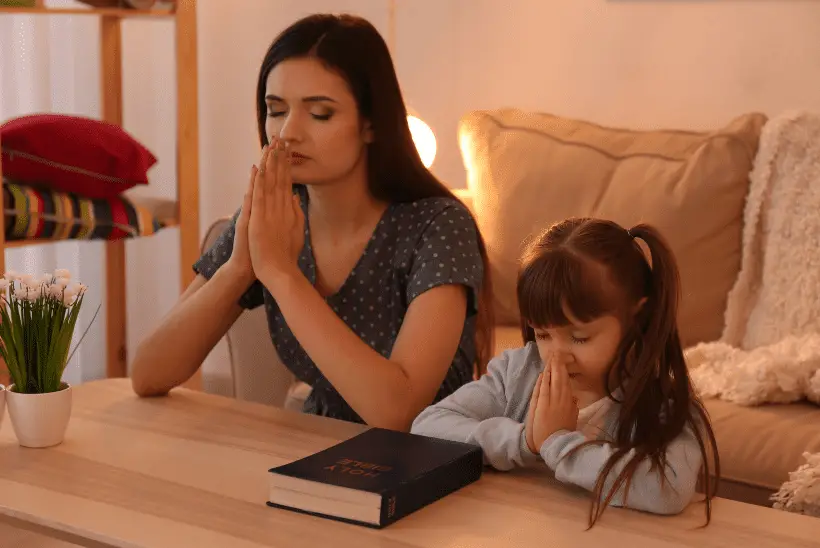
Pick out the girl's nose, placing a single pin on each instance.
(564, 356)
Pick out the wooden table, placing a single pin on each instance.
(190, 469)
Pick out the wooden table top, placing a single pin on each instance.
(190, 469)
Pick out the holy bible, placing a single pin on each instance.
(375, 478)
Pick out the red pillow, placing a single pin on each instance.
(73, 154)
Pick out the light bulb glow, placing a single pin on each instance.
(424, 139)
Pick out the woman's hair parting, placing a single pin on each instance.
(594, 267)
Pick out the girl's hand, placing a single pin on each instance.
(276, 228)
(557, 408)
(240, 259)
(531, 414)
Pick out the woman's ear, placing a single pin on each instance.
(640, 305)
(367, 132)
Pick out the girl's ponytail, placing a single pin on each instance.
(659, 401)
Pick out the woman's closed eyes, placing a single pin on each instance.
(322, 116)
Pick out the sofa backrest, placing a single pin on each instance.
(527, 170)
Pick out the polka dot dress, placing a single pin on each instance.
(415, 247)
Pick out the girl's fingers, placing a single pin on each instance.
(536, 391)
(549, 378)
(559, 384)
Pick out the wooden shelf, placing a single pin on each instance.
(121, 13)
(182, 212)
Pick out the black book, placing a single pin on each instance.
(375, 478)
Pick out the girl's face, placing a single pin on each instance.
(587, 349)
(313, 109)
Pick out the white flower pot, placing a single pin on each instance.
(39, 420)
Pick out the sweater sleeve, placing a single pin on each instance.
(475, 413)
(648, 490)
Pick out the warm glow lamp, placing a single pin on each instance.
(424, 139)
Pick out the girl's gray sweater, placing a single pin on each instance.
(491, 412)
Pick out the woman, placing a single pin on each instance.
(374, 277)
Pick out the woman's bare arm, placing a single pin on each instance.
(188, 333)
(384, 392)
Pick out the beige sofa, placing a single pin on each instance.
(527, 170)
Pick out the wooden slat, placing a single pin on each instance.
(119, 13)
(111, 96)
(4, 377)
(187, 147)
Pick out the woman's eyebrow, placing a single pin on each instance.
(309, 99)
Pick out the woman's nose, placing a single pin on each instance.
(291, 129)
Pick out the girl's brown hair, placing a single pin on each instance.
(594, 267)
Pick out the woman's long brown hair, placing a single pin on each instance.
(595, 267)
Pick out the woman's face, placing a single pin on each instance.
(312, 109)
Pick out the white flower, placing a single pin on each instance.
(44, 279)
(21, 293)
(68, 298)
(34, 292)
(62, 273)
(55, 291)
(61, 281)
(11, 275)
(27, 279)
(4, 284)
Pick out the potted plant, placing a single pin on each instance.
(37, 319)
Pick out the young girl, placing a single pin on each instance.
(600, 391)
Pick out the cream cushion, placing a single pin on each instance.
(527, 170)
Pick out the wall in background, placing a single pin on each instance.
(637, 63)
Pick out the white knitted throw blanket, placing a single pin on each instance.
(770, 348)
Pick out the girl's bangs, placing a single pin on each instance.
(559, 281)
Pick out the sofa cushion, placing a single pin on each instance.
(760, 445)
(527, 170)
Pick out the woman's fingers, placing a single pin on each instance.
(258, 194)
(247, 202)
(282, 172)
(263, 161)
